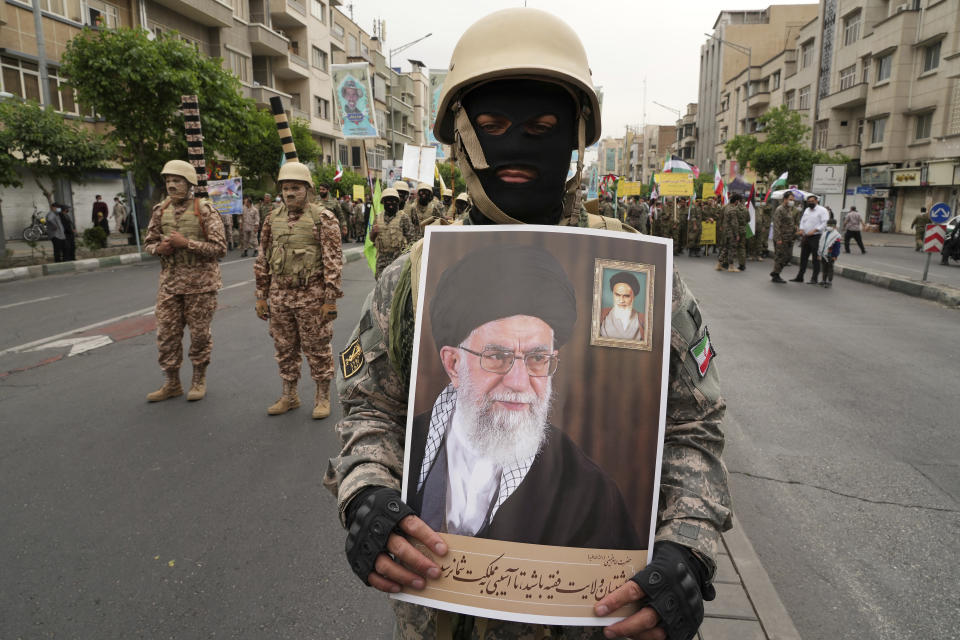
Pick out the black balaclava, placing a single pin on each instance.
(403, 198)
(539, 201)
(424, 197)
(390, 206)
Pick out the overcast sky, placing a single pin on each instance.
(627, 41)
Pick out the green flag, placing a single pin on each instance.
(369, 250)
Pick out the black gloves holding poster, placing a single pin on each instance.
(675, 583)
(371, 517)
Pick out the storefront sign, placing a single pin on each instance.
(905, 178)
(881, 193)
(940, 172)
(829, 178)
(865, 190)
(877, 176)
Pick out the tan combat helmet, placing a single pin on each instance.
(295, 171)
(400, 185)
(446, 193)
(463, 197)
(180, 168)
(389, 193)
(423, 186)
(515, 44)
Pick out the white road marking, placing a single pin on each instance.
(77, 345)
(17, 304)
(238, 284)
(34, 343)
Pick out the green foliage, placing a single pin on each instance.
(95, 238)
(136, 83)
(784, 148)
(444, 168)
(325, 172)
(47, 146)
(705, 178)
(258, 151)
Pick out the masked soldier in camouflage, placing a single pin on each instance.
(298, 281)
(784, 234)
(392, 231)
(729, 233)
(743, 221)
(461, 207)
(326, 201)
(518, 100)
(637, 214)
(693, 229)
(423, 208)
(403, 190)
(187, 234)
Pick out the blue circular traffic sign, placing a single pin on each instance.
(939, 213)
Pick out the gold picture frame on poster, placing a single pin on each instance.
(616, 282)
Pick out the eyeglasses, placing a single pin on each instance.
(539, 364)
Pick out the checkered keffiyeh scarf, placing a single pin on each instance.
(440, 419)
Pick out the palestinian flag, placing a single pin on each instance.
(339, 173)
(779, 183)
(703, 353)
(674, 164)
(369, 249)
(752, 226)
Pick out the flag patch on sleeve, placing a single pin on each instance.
(703, 353)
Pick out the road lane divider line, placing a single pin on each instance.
(59, 336)
(44, 299)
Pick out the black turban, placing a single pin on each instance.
(498, 282)
(627, 278)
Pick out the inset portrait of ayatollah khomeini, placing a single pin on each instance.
(485, 461)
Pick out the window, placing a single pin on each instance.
(848, 77)
(238, 64)
(355, 156)
(865, 76)
(319, 58)
(877, 128)
(725, 103)
(860, 123)
(884, 66)
(924, 124)
(102, 14)
(190, 41)
(806, 55)
(321, 107)
(379, 88)
(352, 49)
(775, 81)
(803, 98)
(790, 99)
(337, 31)
(931, 57)
(342, 153)
(365, 50)
(65, 8)
(851, 28)
(21, 78)
(820, 138)
(318, 10)
(241, 9)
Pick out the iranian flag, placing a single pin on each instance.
(339, 174)
(752, 226)
(703, 353)
(779, 183)
(719, 189)
(673, 164)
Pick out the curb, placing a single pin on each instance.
(776, 622)
(92, 264)
(944, 294)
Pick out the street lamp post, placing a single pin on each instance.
(403, 47)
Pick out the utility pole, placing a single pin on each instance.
(403, 47)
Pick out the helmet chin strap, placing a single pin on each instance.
(471, 158)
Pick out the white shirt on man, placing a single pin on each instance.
(814, 219)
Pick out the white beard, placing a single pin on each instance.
(501, 435)
(622, 315)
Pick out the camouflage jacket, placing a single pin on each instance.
(324, 285)
(334, 206)
(391, 239)
(784, 227)
(190, 278)
(418, 214)
(606, 210)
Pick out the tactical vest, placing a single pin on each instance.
(390, 238)
(188, 225)
(295, 252)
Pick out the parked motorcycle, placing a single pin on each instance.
(37, 230)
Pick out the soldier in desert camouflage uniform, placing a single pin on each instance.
(187, 234)
(423, 208)
(374, 374)
(298, 281)
(326, 201)
(392, 231)
(637, 214)
(784, 235)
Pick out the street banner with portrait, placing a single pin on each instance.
(536, 416)
(354, 100)
(226, 195)
(437, 78)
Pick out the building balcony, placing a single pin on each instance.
(854, 96)
(261, 95)
(297, 114)
(688, 141)
(266, 42)
(287, 14)
(209, 13)
(759, 99)
(849, 150)
(291, 67)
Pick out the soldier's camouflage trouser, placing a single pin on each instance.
(302, 328)
(414, 622)
(781, 255)
(693, 238)
(728, 248)
(755, 244)
(249, 239)
(174, 311)
(742, 249)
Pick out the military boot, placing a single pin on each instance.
(321, 401)
(171, 387)
(733, 269)
(719, 267)
(289, 400)
(198, 385)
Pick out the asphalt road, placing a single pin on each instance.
(900, 261)
(209, 519)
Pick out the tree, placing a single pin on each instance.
(259, 151)
(783, 147)
(325, 172)
(135, 83)
(47, 147)
(444, 168)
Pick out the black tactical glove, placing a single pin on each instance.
(675, 583)
(371, 517)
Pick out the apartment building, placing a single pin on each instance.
(686, 142)
(740, 39)
(658, 141)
